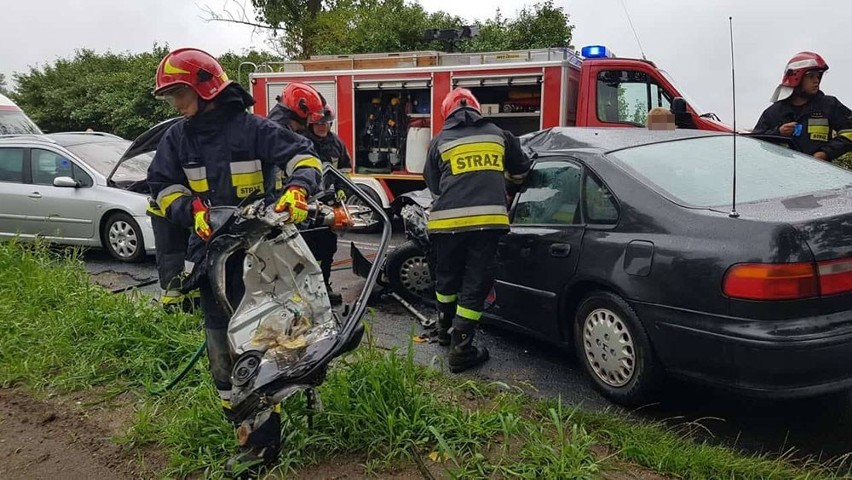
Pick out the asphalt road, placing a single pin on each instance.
(819, 427)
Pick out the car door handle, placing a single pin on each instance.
(34, 195)
(560, 249)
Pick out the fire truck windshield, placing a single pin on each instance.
(698, 110)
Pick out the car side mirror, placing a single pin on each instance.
(65, 182)
(683, 118)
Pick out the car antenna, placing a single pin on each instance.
(641, 50)
(733, 213)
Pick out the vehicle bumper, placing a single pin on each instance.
(778, 359)
(144, 222)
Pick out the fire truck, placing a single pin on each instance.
(387, 104)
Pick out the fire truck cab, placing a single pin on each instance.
(387, 104)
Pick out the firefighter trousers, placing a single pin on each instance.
(466, 263)
(172, 241)
(323, 244)
(216, 320)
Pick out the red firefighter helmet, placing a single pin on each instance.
(304, 101)
(327, 114)
(194, 68)
(458, 98)
(797, 67)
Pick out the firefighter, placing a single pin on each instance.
(222, 155)
(321, 240)
(468, 163)
(802, 112)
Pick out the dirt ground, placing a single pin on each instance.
(39, 439)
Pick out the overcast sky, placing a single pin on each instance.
(689, 38)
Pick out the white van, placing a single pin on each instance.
(13, 120)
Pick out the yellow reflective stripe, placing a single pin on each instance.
(471, 139)
(245, 179)
(475, 157)
(468, 314)
(166, 201)
(468, 211)
(226, 404)
(199, 186)
(310, 162)
(197, 177)
(277, 408)
(304, 161)
(155, 210)
(446, 298)
(845, 134)
(170, 69)
(473, 221)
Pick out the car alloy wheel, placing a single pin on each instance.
(609, 348)
(123, 239)
(615, 350)
(415, 277)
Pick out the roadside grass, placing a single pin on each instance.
(62, 334)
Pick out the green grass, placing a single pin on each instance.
(61, 334)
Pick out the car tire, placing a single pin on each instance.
(408, 274)
(122, 238)
(615, 350)
(373, 218)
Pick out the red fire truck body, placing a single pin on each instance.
(522, 91)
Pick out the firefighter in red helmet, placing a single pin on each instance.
(298, 105)
(218, 155)
(468, 164)
(817, 124)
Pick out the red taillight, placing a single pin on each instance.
(771, 281)
(835, 276)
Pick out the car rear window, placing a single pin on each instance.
(698, 171)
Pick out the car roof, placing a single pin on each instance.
(67, 139)
(64, 139)
(602, 140)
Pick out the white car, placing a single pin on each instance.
(58, 187)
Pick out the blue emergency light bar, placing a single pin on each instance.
(596, 51)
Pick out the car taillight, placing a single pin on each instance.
(835, 276)
(771, 281)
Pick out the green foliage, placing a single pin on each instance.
(331, 27)
(541, 26)
(62, 333)
(4, 87)
(105, 92)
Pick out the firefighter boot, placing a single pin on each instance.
(463, 355)
(446, 312)
(333, 297)
(260, 445)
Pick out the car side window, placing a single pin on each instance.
(551, 195)
(12, 165)
(626, 96)
(601, 207)
(81, 176)
(47, 165)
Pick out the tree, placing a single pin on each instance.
(302, 28)
(541, 26)
(4, 90)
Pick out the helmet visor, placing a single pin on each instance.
(171, 94)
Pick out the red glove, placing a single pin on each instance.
(201, 214)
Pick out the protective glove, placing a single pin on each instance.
(295, 202)
(341, 195)
(201, 214)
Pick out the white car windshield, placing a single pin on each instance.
(102, 156)
(15, 122)
(697, 171)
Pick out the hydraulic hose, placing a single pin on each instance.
(179, 377)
